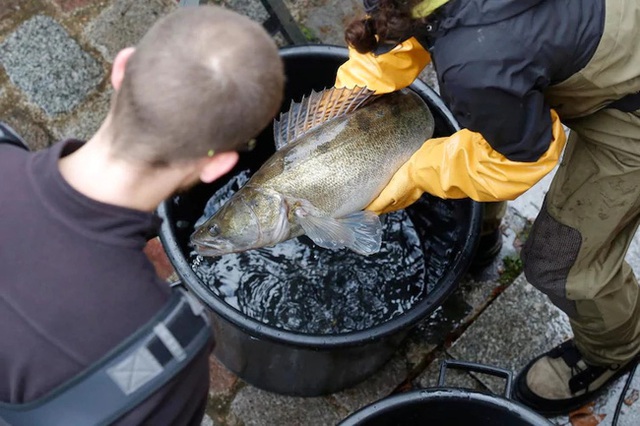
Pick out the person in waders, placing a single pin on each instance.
(511, 72)
(90, 334)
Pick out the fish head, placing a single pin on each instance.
(252, 218)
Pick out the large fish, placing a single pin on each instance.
(336, 150)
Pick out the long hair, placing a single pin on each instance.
(389, 21)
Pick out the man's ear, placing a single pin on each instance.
(217, 166)
(119, 65)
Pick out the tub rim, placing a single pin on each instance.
(443, 394)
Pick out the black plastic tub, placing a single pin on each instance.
(444, 406)
(295, 363)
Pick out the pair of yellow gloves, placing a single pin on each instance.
(458, 166)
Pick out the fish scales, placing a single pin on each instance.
(330, 171)
(351, 152)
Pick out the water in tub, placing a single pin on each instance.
(296, 285)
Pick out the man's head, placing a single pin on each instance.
(203, 80)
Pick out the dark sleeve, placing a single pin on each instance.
(499, 97)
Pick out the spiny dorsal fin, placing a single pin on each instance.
(316, 109)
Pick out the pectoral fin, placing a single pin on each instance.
(360, 231)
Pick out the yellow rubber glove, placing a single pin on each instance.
(386, 73)
(464, 165)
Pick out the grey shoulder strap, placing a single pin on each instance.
(127, 375)
(11, 137)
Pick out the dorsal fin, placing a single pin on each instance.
(316, 109)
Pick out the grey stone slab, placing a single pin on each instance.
(460, 308)
(633, 255)
(453, 378)
(124, 23)
(380, 385)
(446, 323)
(416, 351)
(519, 325)
(87, 120)
(207, 421)
(429, 76)
(530, 203)
(514, 225)
(49, 66)
(280, 40)
(255, 407)
(630, 413)
(250, 8)
(327, 19)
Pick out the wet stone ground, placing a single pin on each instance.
(54, 62)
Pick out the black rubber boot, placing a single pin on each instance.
(10, 136)
(489, 246)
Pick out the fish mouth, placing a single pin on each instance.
(212, 248)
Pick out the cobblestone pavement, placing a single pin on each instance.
(55, 57)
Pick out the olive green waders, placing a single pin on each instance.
(575, 251)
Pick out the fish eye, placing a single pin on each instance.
(214, 230)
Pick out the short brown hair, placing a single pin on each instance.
(202, 78)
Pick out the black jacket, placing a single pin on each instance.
(495, 58)
(75, 283)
